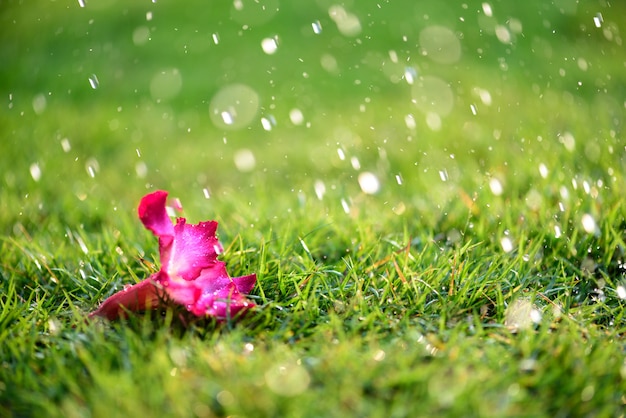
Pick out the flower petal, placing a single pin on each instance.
(141, 296)
(154, 216)
(245, 284)
(195, 247)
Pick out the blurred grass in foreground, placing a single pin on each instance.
(482, 276)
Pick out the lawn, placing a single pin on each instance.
(430, 193)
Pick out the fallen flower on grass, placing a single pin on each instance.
(190, 274)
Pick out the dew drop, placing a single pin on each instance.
(507, 244)
(317, 27)
(589, 224)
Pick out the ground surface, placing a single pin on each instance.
(432, 197)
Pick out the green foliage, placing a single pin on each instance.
(484, 278)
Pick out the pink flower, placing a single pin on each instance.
(190, 273)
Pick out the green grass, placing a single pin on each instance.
(400, 303)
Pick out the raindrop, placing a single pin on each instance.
(487, 9)
(317, 27)
(598, 20)
(369, 183)
(65, 144)
(567, 139)
(621, 292)
(433, 121)
(81, 3)
(93, 81)
(141, 169)
(148, 16)
(473, 109)
(234, 107)
(320, 189)
(341, 154)
(495, 186)
(206, 193)
(296, 116)
(92, 167)
(216, 38)
(347, 23)
(589, 224)
(443, 175)
(39, 104)
(410, 74)
(543, 170)
(268, 123)
(409, 121)
(244, 160)
(345, 206)
(35, 171)
(399, 179)
(269, 45)
(503, 34)
(440, 44)
(141, 35)
(557, 231)
(507, 244)
(356, 164)
(166, 84)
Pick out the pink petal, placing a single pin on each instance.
(138, 297)
(245, 284)
(189, 292)
(154, 216)
(226, 303)
(195, 247)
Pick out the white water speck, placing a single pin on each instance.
(598, 20)
(216, 38)
(317, 27)
(345, 206)
(81, 3)
(487, 9)
(148, 16)
(93, 81)
(227, 118)
(557, 231)
(399, 179)
(507, 244)
(409, 121)
(410, 75)
(495, 186)
(589, 224)
(141, 169)
(356, 164)
(543, 170)
(341, 154)
(244, 160)
(35, 171)
(65, 144)
(443, 175)
(206, 193)
(369, 183)
(269, 45)
(296, 117)
(567, 139)
(268, 123)
(320, 189)
(621, 292)
(473, 109)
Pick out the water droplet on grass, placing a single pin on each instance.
(621, 292)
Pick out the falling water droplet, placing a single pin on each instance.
(369, 183)
(356, 164)
(495, 186)
(65, 144)
(598, 20)
(81, 3)
(345, 206)
(244, 160)
(507, 244)
(341, 154)
(399, 179)
(269, 45)
(589, 224)
(296, 116)
(320, 189)
(35, 171)
(93, 81)
(621, 292)
(473, 109)
(443, 175)
(216, 38)
(317, 27)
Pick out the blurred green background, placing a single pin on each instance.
(105, 100)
